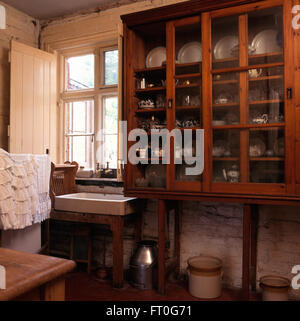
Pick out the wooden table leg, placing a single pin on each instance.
(139, 221)
(54, 290)
(161, 245)
(246, 251)
(117, 231)
(177, 235)
(253, 255)
(46, 246)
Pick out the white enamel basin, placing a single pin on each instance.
(96, 203)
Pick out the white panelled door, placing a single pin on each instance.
(33, 107)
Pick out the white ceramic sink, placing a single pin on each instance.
(96, 203)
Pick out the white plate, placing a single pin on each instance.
(266, 41)
(223, 48)
(156, 57)
(190, 52)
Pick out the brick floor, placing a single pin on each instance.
(84, 287)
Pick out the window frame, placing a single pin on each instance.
(102, 98)
(102, 66)
(87, 133)
(96, 93)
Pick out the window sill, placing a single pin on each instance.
(99, 182)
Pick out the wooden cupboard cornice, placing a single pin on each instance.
(174, 11)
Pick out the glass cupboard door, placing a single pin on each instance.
(147, 107)
(185, 66)
(248, 103)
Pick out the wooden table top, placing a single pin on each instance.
(26, 271)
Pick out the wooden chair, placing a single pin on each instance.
(62, 181)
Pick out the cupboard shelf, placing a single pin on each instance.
(193, 128)
(266, 159)
(194, 75)
(252, 159)
(149, 90)
(150, 110)
(226, 159)
(276, 77)
(185, 108)
(264, 102)
(235, 81)
(246, 68)
(253, 127)
(225, 105)
(188, 86)
(225, 82)
(265, 55)
(149, 70)
(256, 102)
(190, 64)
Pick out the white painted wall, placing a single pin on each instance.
(26, 240)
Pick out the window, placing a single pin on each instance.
(110, 67)
(80, 72)
(90, 100)
(80, 131)
(110, 129)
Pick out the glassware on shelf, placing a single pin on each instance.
(218, 122)
(160, 101)
(232, 174)
(257, 147)
(147, 103)
(156, 174)
(255, 94)
(260, 119)
(141, 83)
(182, 176)
(141, 182)
(255, 73)
(224, 98)
(219, 148)
(186, 123)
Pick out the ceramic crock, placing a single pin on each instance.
(205, 276)
(274, 288)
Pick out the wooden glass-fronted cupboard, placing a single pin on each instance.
(229, 68)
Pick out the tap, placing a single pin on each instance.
(107, 170)
(98, 170)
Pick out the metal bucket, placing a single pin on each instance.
(142, 263)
